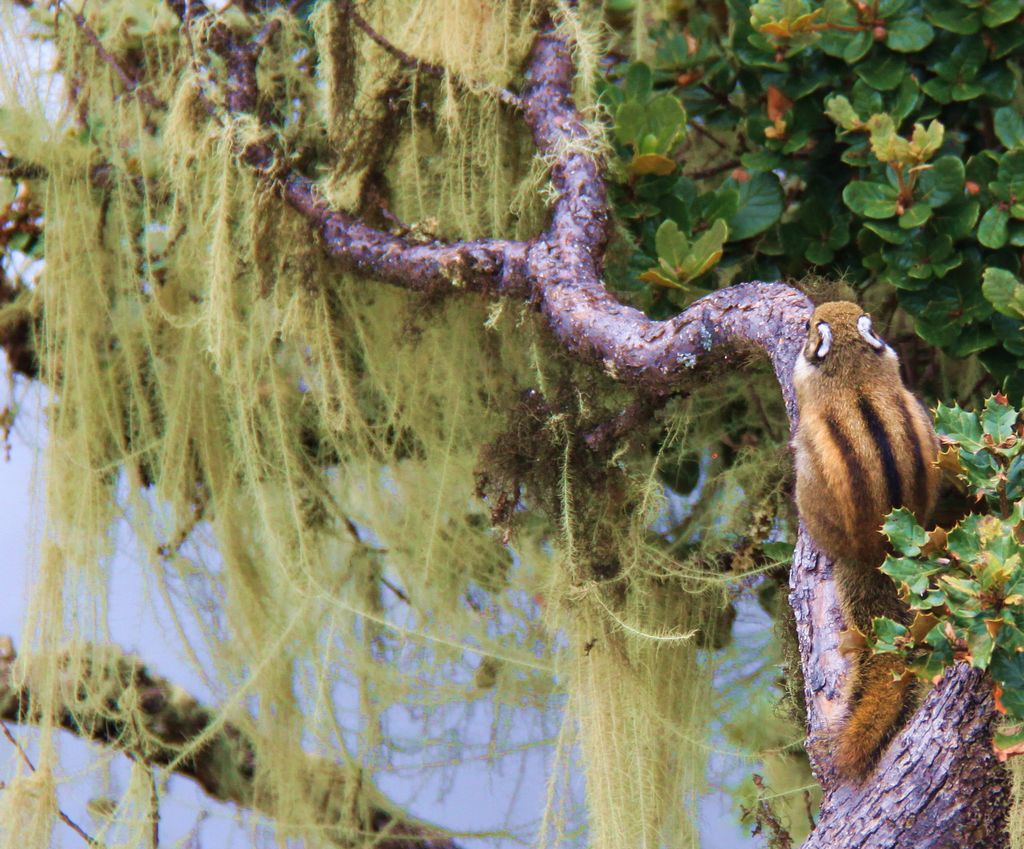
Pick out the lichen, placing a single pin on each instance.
(297, 448)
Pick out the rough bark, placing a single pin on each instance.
(938, 784)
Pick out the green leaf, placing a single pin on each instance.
(883, 73)
(1004, 291)
(956, 219)
(666, 119)
(960, 425)
(638, 82)
(887, 230)
(1015, 479)
(926, 141)
(963, 543)
(998, 420)
(660, 277)
(891, 8)
(760, 205)
(981, 643)
(938, 89)
(818, 253)
(857, 46)
(671, 244)
(838, 108)
(887, 633)
(909, 571)
(979, 466)
(908, 35)
(907, 98)
(866, 100)
(630, 121)
(941, 183)
(903, 531)
(1008, 669)
(952, 16)
(705, 252)
(1011, 172)
(886, 143)
(992, 229)
(972, 339)
(871, 200)
(962, 63)
(761, 160)
(722, 203)
(917, 215)
(966, 91)
(1006, 41)
(995, 13)
(960, 590)
(1009, 127)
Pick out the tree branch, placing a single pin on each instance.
(152, 720)
(938, 784)
(27, 761)
(411, 62)
(130, 83)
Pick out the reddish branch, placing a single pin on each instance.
(938, 784)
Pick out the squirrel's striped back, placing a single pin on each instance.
(864, 446)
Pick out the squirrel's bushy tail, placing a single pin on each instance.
(880, 700)
(880, 694)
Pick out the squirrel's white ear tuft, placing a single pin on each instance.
(825, 335)
(869, 335)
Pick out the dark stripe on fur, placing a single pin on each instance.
(856, 474)
(920, 482)
(881, 438)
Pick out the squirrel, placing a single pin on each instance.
(864, 446)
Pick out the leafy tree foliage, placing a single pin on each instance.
(880, 142)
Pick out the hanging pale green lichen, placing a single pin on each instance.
(296, 449)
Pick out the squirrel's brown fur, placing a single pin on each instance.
(864, 446)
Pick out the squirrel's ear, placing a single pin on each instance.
(824, 340)
(868, 334)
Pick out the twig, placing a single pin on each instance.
(712, 171)
(154, 799)
(765, 817)
(627, 420)
(348, 7)
(809, 809)
(12, 169)
(354, 533)
(154, 808)
(127, 80)
(70, 823)
(398, 591)
(706, 133)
